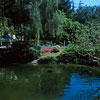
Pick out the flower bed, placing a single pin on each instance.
(48, 52)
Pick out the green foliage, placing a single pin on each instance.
(42, 19)
(23, 52)
(89, 40)
(74, 54)
(68, 55)
(46, 43)
(5, 27)
(72, 29)
(86, 13)
(47, 60)
(84, 49)
(68, 7)
(55, 26)
(56, 48)
(11, 29)
(70, 50)
(34, 52)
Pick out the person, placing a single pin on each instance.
(0, 41)
(8, 38)
(13, 37)
(22, 37)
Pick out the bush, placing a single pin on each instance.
(47, 60)
(34, 52)
(74, 54)
(69, 54)
(22, 53)
(56, 48)
(70, 50)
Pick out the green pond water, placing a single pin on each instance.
(61, 82)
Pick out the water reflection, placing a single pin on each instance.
(47, 83)
(82, 87)
(30, 84)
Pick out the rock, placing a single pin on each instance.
(35, 61)
(96, 63)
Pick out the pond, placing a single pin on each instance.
(61, 82)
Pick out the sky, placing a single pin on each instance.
(88, 2)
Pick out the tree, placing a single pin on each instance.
(72, 28)
(67, 6)
(89, 39)
(55, 26)
(87, 13)
(35, 19)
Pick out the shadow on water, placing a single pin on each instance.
(61, 82)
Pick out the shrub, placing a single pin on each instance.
(47, 60)
(70, 50)
(68, 55)
(74, 54)
(56, 48)
(34, 52)
(22, 53)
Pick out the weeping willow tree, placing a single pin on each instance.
(35, 20)
(44, 14)
(5, 6)
(50, 18)
(41, 17)
(55, 26)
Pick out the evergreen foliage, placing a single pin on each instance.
(53, 20)
(56, 48)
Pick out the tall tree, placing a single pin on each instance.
(68, 7)
(35, 20)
